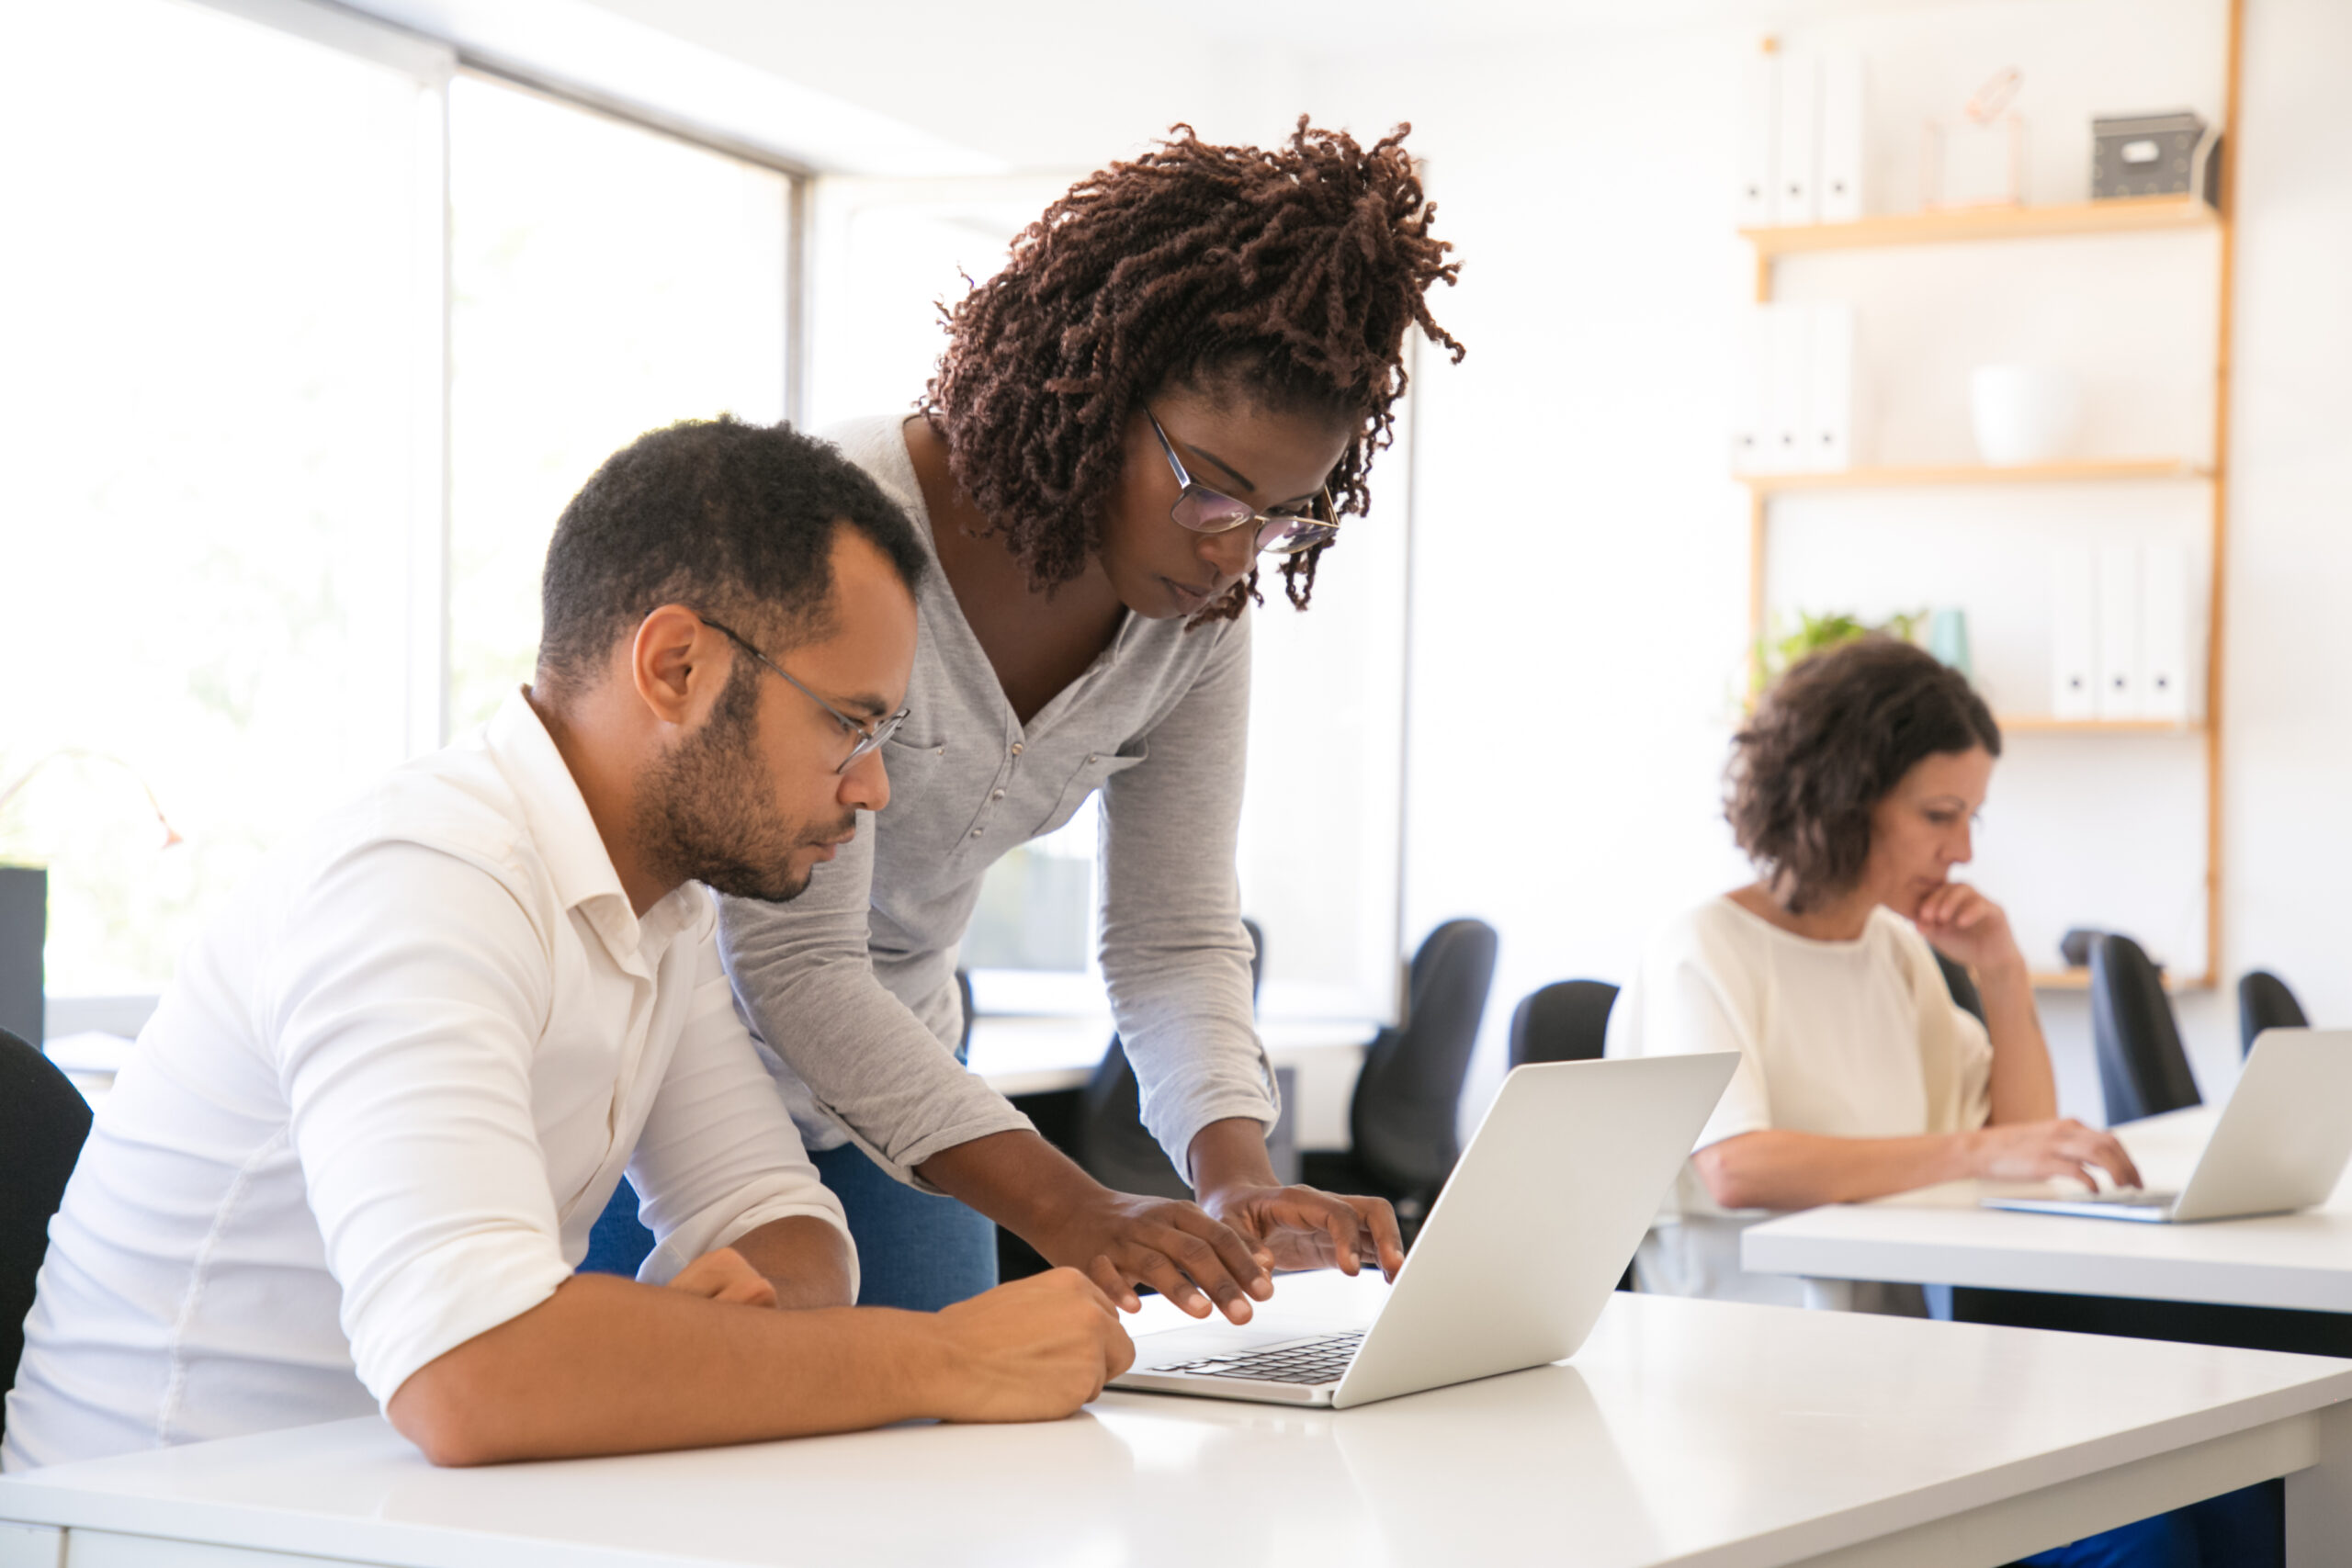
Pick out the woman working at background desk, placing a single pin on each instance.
(1853, 791)
(1184, 368)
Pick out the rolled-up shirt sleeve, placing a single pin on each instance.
(405, 1044)
(1175, 956)
(806, 981)
(718, 1156)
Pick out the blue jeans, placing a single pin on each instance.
(915, 1249)
(2238, 1529)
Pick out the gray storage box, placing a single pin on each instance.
(2154, 154)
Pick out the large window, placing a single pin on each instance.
(604, 280)
(305, 340)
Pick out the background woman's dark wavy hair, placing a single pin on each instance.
(1290, 276)
(1830, 739)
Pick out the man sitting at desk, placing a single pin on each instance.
(358, 1152)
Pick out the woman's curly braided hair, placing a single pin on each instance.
(1291, 275)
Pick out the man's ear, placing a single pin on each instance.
(678, 665)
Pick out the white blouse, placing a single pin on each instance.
(1854, 1039)
(389, 1091)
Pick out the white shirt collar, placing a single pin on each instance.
(567, 839)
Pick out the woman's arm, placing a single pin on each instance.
(1971, 929)
(1176, 960)
(1776, 1170)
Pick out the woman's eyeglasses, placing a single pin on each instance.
(1206, 511)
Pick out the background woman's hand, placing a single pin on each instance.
(2039, 1151)
(1968, 928)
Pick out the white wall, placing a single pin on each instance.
(1597, 632)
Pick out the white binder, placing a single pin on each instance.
(1796, 196)
(2074, 631)
(1788, 354)
(1760, 131)
(1842, 164)
(2120, 669)
(1829, 382)
(1751, 393)
(2167, 654)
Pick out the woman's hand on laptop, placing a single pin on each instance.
(1123, 1239)
(1306, 1227)
(1034, 1350)
(2039, 1151)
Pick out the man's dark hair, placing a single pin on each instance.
(735, 520)
(1289, 276)
(1829, 742)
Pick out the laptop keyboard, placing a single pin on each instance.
(1307, 1361)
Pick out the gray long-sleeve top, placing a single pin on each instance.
(852, 984)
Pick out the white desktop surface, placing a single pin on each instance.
(1941, 1235)
(1684, 1432)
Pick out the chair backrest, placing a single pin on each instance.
(1962, 984)
(2265, 1002)
(1402, 1118)
(964, 995)
(2142, 1071)
(1111, 1142)
(43, 1122)
(1568, 1020)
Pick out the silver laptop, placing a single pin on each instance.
(1513, 1264)
(2280, 1144)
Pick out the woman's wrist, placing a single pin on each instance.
(1229, 1153)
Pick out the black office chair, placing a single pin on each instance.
(2142, 1071)
(964, 995)
(1401, 1120)
(1110, 1140)
(1568, 1020)
(1962, 984)
(43, 1121)
(2265, 1002)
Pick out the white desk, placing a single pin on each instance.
(1695, 1433)
(1036, 1055)
(1940, 1235)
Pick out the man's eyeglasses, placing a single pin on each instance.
(1206, 511)
(869, 736)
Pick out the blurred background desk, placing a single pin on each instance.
(2279, 1282)
(1021, 1056)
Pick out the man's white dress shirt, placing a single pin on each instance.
(388, 1095)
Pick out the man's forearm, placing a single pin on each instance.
(607, 1366)
(804, 1259)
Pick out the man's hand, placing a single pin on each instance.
(1304, 1227)
(1034, 1350)
(726, 1276)
(1122, 1239)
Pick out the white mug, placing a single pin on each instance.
(2024, 413)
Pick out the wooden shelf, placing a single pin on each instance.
(2080, 980)
(2046, 723)
(2087, 471)
(1964, 226)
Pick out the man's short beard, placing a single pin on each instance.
(704, 814)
